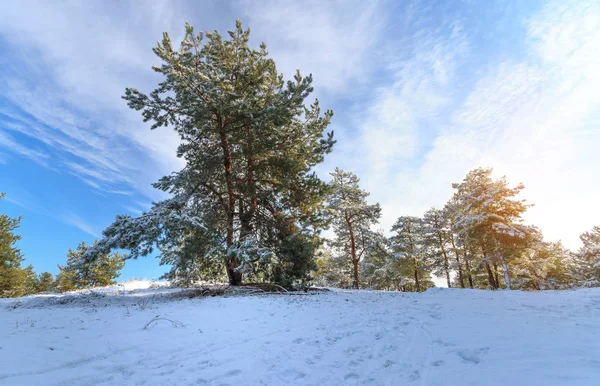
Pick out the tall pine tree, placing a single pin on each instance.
(249, 144)
(490, 217)
(352, 219)
(437, 239)
(410, 250)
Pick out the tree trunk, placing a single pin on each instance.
(446, 265)
(491, 279)
(250, 178)
(469, 274)
(356, 283)
(468, 267)
(490, 275)
(460, 271)
(245, 216)
(505, 268)
(496, 278)
(235, 277)
(417, 283)
(231, 263)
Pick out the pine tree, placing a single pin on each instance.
(409, 247)
(78, 273)
(437, 240)
(295, 250)
(542, 265)
(589, 257)
(30, 281)
(249, 143)
(333, 269)
(458, 247)
(187, 264)
(45, 282)
(379, 269)
(12, 276)
(352, 219)
(490, 218)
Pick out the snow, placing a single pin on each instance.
(440, 337)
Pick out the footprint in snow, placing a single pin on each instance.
(442, 343)
(352, 350)
(294, 374)
(351, 376)
(233, 373)
(472, 356)
(166, 372)
(414, 376)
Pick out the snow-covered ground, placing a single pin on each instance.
(441, 337)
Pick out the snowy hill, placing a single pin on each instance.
(441, 337)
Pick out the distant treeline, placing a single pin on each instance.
(477, 240)
(16, 280)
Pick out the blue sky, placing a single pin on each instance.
(423, 91)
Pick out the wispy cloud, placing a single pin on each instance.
(331, 39)
(9, 143)
(28, 201)
(401, 115)
(63, 86)
(79, 223)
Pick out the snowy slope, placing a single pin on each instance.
(441, 337)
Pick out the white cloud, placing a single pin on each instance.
(23, 198)
(70, 63)
(26, 200)
(330, 39)
(9, 143)
(399, 115)
(79, 223)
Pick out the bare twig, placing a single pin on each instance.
(278, 286)
(174, 323)
(144, 302)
